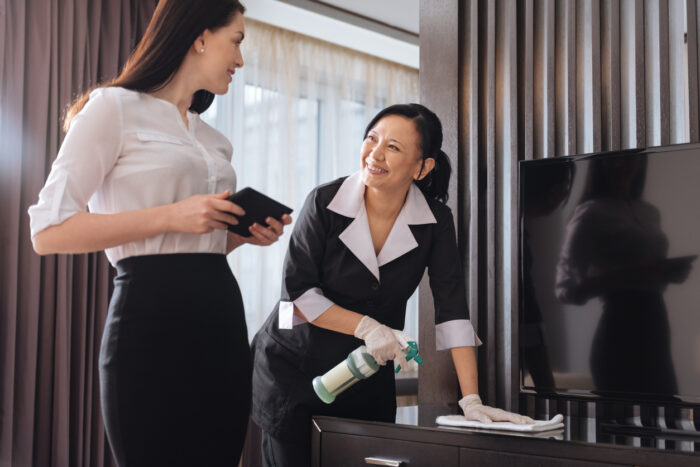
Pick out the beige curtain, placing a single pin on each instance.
(52, 309)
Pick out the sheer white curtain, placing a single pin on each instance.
(296, 114)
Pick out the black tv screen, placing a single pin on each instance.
(609, 276)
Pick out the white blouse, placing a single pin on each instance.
(128, 150)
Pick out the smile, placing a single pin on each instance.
(375, 170)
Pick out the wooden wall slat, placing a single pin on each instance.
(610, 74)
(565, 50)
(439, 90)
(487, 182)
(532, 79)
(544, 67)
(657, 75)
(527, 126)
(506, 198)
(471, 121)
(677, 69)
(632, 74)
(588, 76)
(692, 56)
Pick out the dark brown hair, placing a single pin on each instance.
(173, 29)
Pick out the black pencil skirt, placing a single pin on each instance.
(175, 366)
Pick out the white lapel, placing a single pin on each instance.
(349, 202)
(358, 239)
(400, 241)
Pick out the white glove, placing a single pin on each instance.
(383, 343)
(406, 366)
(474, 410)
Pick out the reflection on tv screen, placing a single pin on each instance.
(609, 287)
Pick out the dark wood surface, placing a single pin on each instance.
(350, 441)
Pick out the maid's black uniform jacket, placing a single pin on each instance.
(331, 260)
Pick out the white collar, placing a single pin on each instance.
(349, 201)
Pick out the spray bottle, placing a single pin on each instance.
(359, 365)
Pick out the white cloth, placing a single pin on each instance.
(128, 150)
(540, 425)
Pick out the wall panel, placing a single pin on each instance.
(535, 79)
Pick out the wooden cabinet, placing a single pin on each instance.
(342, 450)
(479, 458)
(340, 442)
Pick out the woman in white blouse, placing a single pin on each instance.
(175, 370)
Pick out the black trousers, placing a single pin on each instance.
(284, 453)
(175, 366)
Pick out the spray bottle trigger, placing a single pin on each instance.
(412, 354)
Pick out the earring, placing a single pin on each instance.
(201, 50)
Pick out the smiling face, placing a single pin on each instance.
(392, 156)
(221, 56)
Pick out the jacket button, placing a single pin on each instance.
(375, 286)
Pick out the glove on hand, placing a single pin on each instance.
(474, 410)
(406, 366)
(381, 341)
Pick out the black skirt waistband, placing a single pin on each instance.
(181, 265)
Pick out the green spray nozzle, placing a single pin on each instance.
(412, 354)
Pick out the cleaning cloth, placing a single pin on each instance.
(539, 425)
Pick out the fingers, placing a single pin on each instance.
(227, 206)
(215, 225)
(224, 218)
(275, 225)
(378, 356)
(407, 366)
(402, 338)
(478, 416)
(264, 234)
(485, 419)
(501, 415)
(514, 418)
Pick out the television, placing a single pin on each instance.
(609, 276)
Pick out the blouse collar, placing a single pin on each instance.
(349, 201)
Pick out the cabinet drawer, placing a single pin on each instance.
(478, 458)
(339, 450)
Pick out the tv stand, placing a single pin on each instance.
(649, 432)
(343, 442)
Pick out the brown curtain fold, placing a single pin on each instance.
(52, 308)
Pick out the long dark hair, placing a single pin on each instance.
(173, 29)
(435, 184)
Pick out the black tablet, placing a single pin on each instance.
(258, 207)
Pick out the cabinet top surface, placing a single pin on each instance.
(417, 423)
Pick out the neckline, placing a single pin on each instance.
(189, 114)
